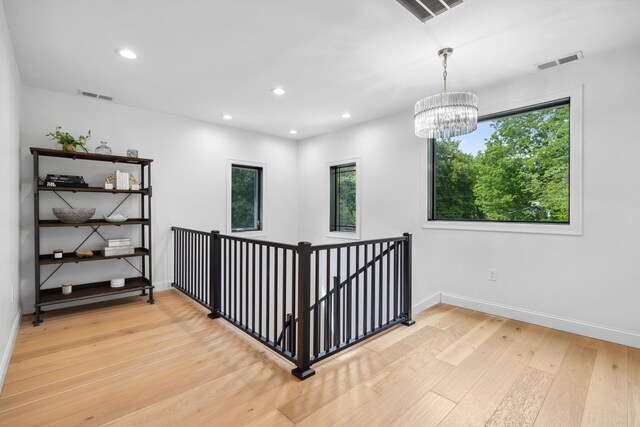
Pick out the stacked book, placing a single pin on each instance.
(118, 247)
(121, 180)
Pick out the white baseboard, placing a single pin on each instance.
(427, 303)
(605, 333)
(6, 357)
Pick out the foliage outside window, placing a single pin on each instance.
(513, 168)
(246, 198)
(343, 198)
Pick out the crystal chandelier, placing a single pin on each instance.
(446, 114)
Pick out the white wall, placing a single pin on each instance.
(188, 175)
(592, 280)
(9, 194)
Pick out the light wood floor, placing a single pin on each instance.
(127, 364)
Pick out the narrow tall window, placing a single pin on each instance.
(343, 198)
(514, 168)
(246, 198)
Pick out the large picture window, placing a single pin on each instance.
(246, 198)
(343, 198)
(514, 168)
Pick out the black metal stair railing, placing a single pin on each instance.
(304, 302)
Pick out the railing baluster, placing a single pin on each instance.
(357, 316)
(293, 301)
(372, 325)
(284, 292)
(260, 297)
(349, 297)
(276, 292)
(267, 317)
(316, 311)
(365, 303)
(336, 287)
(327, 303)
(380, 287)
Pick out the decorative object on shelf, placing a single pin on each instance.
(132, 153)
(446, 114)
(103, 148)
(108, 183)
(135, 185)
(123, 241)
(72, 181)
(68, 142)
(74, 215)
(84, 254)
(121, 180)
(115, 218)
(119, 247)
(57, 253)
(117, 283)
(67, 288)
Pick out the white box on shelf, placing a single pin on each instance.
(117, 283)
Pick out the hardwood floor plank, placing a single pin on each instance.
(461, 379)
(566, 398)
(429, 411)
(520, 406)
(634, 365)
(479, 404)
(466, 345)
(607, 398)
(634, 405)
(550, 354)
(340, 407)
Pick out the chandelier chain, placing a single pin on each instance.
(444, 73)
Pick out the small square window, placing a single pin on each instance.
(246, 198)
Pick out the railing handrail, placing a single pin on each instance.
(204, 233)
(260, 242)
(357, 243)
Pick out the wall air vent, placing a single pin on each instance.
(427, 9)
(95, 95)
(560, 61)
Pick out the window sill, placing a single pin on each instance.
(558, 229)
(343, 235)
(249, 234)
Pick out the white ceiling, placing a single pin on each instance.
(204, 58)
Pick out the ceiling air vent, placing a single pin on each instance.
(427, 9)
(95, 95)
(560, 61)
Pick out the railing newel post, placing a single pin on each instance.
(303, 355)
(406, 282)
(215, 274)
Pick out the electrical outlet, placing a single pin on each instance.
(493, 274)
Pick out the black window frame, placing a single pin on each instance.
(431, 162)
(334, 207)
(259, 197)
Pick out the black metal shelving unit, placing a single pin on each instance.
(88, 291)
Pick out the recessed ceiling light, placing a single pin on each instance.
(293, 131)
(346, 115)
(278, 91)
(227, 117)
(127, 53)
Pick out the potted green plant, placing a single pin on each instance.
(68, 142)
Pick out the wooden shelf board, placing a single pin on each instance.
(92, 223)
(91, 290)
(48, 152)
(70, 257)
(91, 190)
